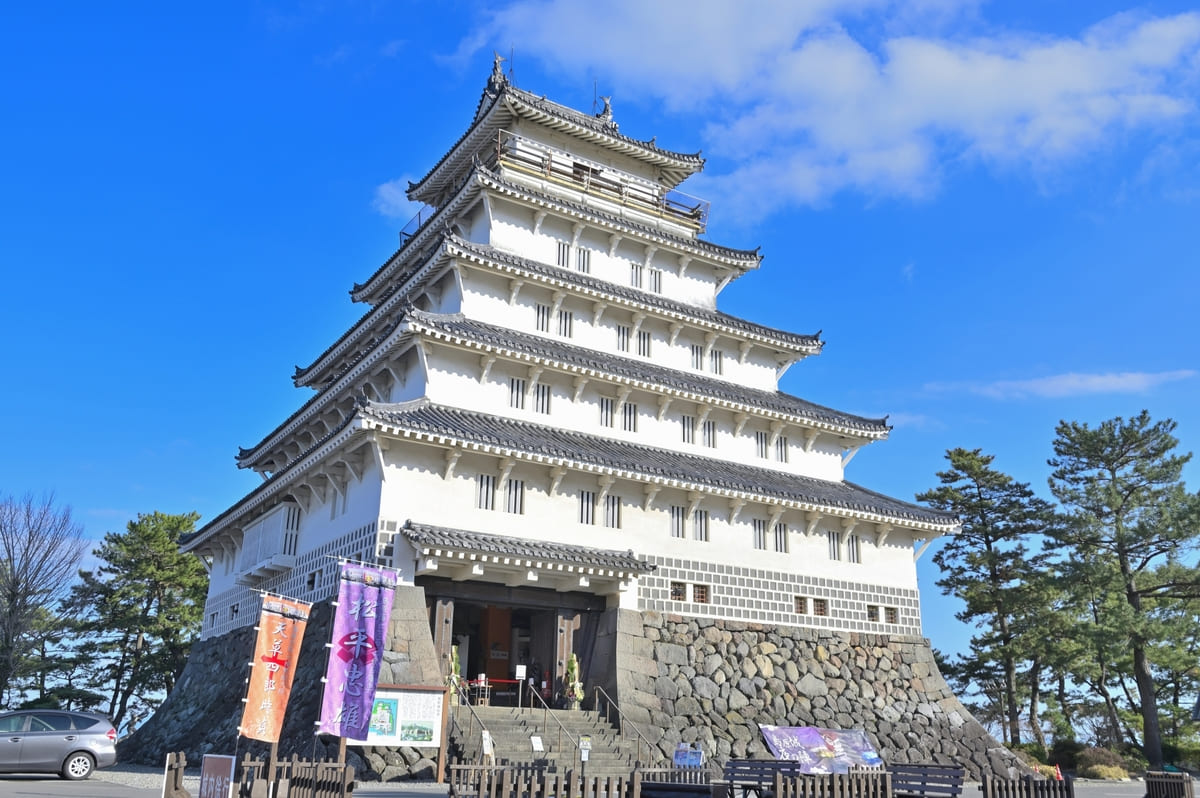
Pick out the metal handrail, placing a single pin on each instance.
(610, 704)
(546, 720)
(464, 700)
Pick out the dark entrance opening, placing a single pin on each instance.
(499, 628)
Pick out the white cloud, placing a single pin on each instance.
(391, 200)
(808, 105)
(1059, 386)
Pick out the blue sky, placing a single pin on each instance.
(990, 209)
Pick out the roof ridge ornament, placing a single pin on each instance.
(497, 80)
(605, 114)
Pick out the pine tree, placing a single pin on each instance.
(141, 608)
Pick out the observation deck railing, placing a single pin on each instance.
(535, 158)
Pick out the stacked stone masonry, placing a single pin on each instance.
(702, 681)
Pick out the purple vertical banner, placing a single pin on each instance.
(356, 650)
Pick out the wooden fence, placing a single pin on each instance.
(173, 784)
(1163, 784)
(294, 778)
(1026, 787)
(482, 781)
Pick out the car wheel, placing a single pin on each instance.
(78, 766)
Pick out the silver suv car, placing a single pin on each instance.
(72, 744)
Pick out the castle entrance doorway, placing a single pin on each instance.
(499, 628)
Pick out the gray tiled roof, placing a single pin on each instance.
(548, 444)
(511, 100)
(750, 258)
(808, 343)
(422, 535)
(459, 326)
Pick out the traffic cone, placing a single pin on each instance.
(1058, 773)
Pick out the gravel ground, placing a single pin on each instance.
(147, 777)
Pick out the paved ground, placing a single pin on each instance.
(140, 782)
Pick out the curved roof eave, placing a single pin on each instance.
(486, 337)
(511, 102)
(805, 344)
(423, 420)
(742, 260)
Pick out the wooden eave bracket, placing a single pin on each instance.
(614, 240)
(740, 421)
(924, 546)
(735, 508)
(785, 363)
(514, 289)
(651, 490)
(556, 477)
(378, 447)
(485, 367)
(810, 438)
(882, 532)
(650, 250)
(849, 455)
(580, 383)
(506, 467)
(675, 327)
(848, 526)
(684, 262)
(605, 484)
(638, 318)
(664, 402)
(598, 311)
(452, 457)
(539, 216)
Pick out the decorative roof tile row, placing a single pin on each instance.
(807, 344)
(503, 101)
(647, 373)
(424, 419)
(469, 332)
(428, 535)
(482, 177)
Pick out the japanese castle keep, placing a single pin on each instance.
(545, 425)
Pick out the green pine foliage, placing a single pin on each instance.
(140, 609)
(1086, 613)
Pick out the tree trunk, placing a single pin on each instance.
(1151, 736)
(1035, 697)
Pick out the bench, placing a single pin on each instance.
(926, 780)
(1163, 784)
(757, 776)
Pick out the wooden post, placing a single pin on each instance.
(441, 761)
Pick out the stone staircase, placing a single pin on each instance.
(512, 728)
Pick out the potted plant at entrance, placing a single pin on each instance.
(572, 686)
(453, 679)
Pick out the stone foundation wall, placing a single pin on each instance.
(203, 711)
(702, 681)
(713, 682)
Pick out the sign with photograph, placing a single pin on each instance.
(821, 750)
(408, 716)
